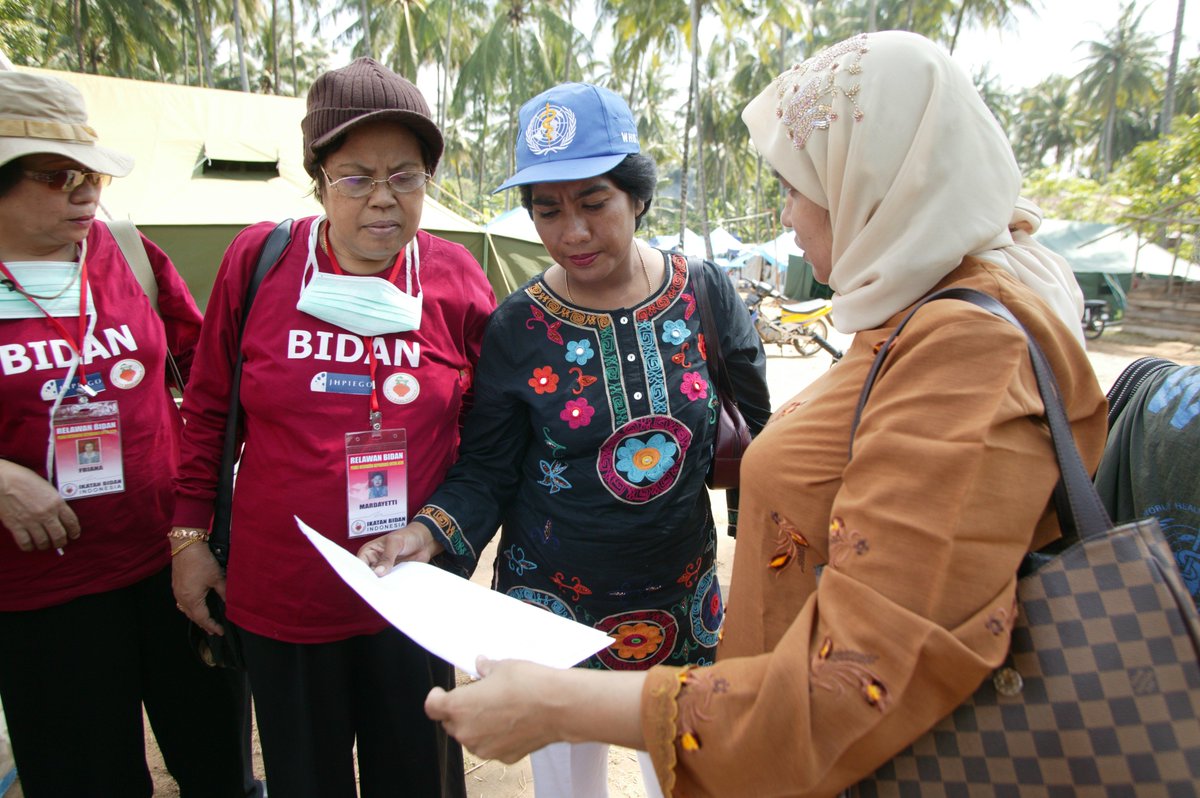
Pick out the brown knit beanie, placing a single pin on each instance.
(365, 90)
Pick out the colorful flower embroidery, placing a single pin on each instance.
(694, 386)
(689, 304)
(791, 545)
(579, 352)
(578, 413)
(554, 446)
(544, 380)
(636, 640)
(517, 562)
(646, 461)
(694, 702)
(675, 332)
(552, 475)
(551, 327)
(581, 380)
(576, 587)
(690, 573)
(843, 543)
(835, 670)
(680, 358)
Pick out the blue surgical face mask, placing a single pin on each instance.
(53, 284)
(361, 304)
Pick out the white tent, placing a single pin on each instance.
(724, 244)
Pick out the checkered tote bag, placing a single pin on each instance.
(1101, 691)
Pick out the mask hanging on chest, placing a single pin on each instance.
(362, 304)
(54, 284)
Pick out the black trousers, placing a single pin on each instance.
(73, 679)
(315, 702)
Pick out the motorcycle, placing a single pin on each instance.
(800, 325)
(1095, 317)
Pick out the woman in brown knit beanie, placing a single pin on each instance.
(357, 361)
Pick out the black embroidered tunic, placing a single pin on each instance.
(589, 440)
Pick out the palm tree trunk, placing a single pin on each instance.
(1110, 122)
(958, 23)
(444, 65)
(202, 43)
(364, 12)
(872, 12)
(570, 41)
(274, 46)
(241, 44)
(1164, 125)
(77, 29)
(292, 34)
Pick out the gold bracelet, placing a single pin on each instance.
(187, 543)
(188, 533)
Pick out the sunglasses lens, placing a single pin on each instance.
(65, 179)
(71, 179)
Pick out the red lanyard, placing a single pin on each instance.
(376, 416)
(75, 344)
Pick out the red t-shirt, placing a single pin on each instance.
(294, 460)
(123, 536)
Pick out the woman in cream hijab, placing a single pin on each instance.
(898, 182)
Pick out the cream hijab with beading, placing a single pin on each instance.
(889, 135)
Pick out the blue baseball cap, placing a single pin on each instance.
(572, 131)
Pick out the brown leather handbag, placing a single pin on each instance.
(731, 436)
(1101, 691)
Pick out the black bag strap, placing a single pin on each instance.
(708, 325)
(1081, 512)
(218, 540)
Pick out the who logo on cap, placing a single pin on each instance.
(572, 131)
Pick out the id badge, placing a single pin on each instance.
(376, 481)
(87, 450)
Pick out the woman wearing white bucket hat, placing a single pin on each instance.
(869, 597)
(88, 627)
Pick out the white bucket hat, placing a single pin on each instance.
(41, 114)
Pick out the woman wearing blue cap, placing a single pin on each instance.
(592, 428)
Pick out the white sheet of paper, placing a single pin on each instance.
(459, 620)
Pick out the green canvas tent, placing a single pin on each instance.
(1107, 259)
(210, 162)
(514, 243)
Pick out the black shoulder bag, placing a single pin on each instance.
(225, 651)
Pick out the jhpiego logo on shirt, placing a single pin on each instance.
(349, 348)
(56, 353)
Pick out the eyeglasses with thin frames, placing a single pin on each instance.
(69, 179)
(358, 186)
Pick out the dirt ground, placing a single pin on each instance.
(786, 374)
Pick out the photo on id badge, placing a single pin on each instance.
(376, 481)
(87, 451)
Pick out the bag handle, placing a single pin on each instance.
(1081, 512)
(129, 241)
(708, 325)
(218, 541)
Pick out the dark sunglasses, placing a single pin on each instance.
(69, 179)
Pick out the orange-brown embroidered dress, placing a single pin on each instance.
(819, 681)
